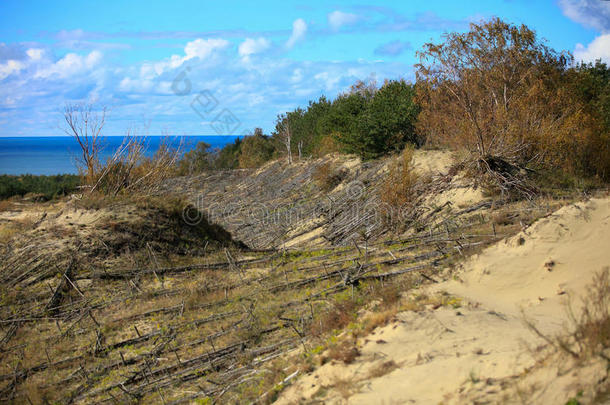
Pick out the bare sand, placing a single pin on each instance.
(480, 350)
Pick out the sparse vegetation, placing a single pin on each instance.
(327, 176)
(589, 329)
(498, 93)
(398, 189)
(123, 295)
(40, 187)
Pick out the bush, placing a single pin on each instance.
(256, 150)
(338, 316)
(327, 177)
(505, 121)
(129, 170)
(386, 124)
(196, 160)
(367, 121)
(590, 150)
(397, 190)
(47, 187)
(228, 156)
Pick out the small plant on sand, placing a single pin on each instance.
(345, 351)
(383, 368)
(397, 189)
(589, 329)
(338, 316)
(328, 177)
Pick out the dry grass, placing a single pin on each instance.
(327, 176)
(265, 302)
(421, 302)
(338, 316)
(129, 170)
(377, 319)
(588, 333)
(345, 351)
(397, 190)
(383, 368)
(7, 231)
(6, 205)
(592, 327)
(346, 387)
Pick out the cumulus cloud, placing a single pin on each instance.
(69, 65)
(254, 93)
(199, 48)
(599, 48)
(590, 13)
(251, 46)
(393, 48)
(338, 19)
(11, 66)
(202, 48)
(299, 29)
(35, 54)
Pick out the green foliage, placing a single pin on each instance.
(307, 126)
(228, 156)
(196, 160)
(343, 121)
(248, 152)
(47, 187)
(590, 86)
(256, 149)
(367, 121)
(387, 122)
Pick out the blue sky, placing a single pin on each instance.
(202, 67)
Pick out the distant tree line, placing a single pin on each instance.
(496, 92)
(367, 120)
(43, 187)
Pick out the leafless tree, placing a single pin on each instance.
(286, 138)
(85, 123)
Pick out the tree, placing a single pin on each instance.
(84, 123)
(228, 156)
(284, 135)
(256, 149)
(196, 160)
(388, 122)
(496, 91)
(342, 121)
(590, 85)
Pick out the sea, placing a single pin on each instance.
(57, 154)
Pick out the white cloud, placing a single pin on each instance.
(11, 66)
(590, 13)
(330, 80)
(136, 85)
(338, 19)
(599, 48)
(252, 46)
(299, 29)
(297, 75)
(202, 48)
(199, 48)
(70, 65)
(35, 54)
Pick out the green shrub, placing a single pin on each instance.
(47, 187)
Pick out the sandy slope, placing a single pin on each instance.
(479, 351)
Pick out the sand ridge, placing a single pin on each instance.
(482, 351)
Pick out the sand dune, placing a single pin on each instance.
(480, 350)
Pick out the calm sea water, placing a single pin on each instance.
(56, 154)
